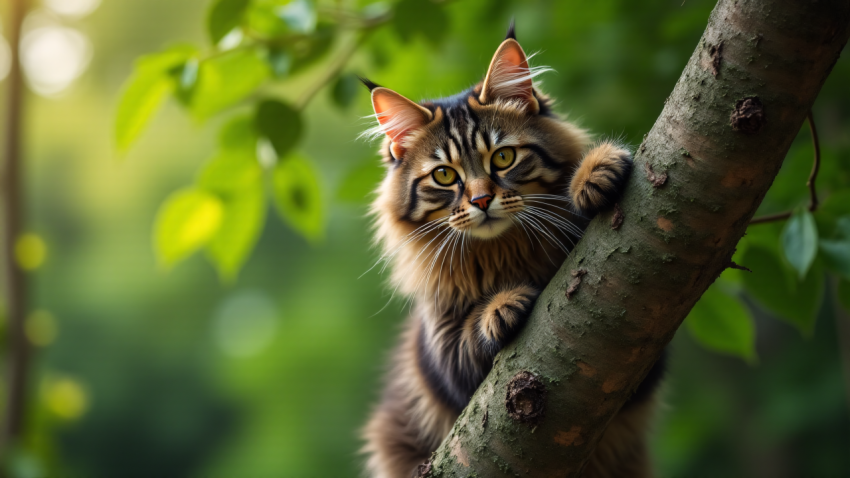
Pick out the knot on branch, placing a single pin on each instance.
(617, 219)
(748, 115)
(525, 398)
(423, 470)
(573, 287)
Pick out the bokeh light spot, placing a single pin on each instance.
(66, 398)
(53, 57)
(41, 328)
(245, 324)
(30, 251)
(72, 8)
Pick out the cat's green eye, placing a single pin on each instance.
(445, 176)
(504, 158)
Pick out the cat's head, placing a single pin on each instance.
(475, 161)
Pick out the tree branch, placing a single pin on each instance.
(734, 112)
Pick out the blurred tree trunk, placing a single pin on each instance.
(17, 346)
(700, 174)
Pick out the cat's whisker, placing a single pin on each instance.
(385, 257)
(452, 238)
(399, 248)
(534, 231)
(552, 217)
(546, 232)
(518, 221)
(549, 218)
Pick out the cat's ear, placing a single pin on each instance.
(509, 77)
(398, 116)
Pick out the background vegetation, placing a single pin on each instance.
(197, 233)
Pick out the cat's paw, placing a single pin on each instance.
(505, 314)
(600, 178)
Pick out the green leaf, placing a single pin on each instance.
(298, 197)
(244, 216)
(800, 241)
(238, 134)
(361, 182)
(299, 15)
(313, 48)
(345, 89)
(422, 17)
(722, 323)
(184, 223)
(776, 287)
(280, 62)
(226, 79)
(263, 19)
(837, 255)
(280, 123)
(231, 171)
(145, 90)
(224, 16)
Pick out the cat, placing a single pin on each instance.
(485, 194)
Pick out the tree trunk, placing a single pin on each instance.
(700, 174)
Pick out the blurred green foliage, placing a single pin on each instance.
(266, 119)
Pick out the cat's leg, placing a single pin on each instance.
(494, 322)
(600, 178)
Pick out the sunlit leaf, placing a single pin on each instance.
(145, 90)
(422, 17)
(298, 196)
(361, 182)
(722, 323)
(262, 18)
(345, 89)
(238, 134)
(184, 223)
(280, 123)
(224, 16)
(244, 216)
(231, 171)
(226, 79)
(776, 287)
(299, 15)
(800, 241)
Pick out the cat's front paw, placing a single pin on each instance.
(600, 178)
(505, 314)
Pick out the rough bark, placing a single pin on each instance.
(593, 335)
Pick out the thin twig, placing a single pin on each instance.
(330, 72)
(813, 194)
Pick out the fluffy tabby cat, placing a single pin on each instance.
(485, 193)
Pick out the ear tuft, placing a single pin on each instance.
(511, 32)
(369, 84)
(510, 78)
(397, 117)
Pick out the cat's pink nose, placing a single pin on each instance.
(483, 202)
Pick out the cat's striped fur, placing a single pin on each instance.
(473, 255)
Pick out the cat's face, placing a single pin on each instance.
(482, 162)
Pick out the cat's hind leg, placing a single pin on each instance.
(600, 178)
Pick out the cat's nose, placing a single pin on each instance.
(482, 202)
